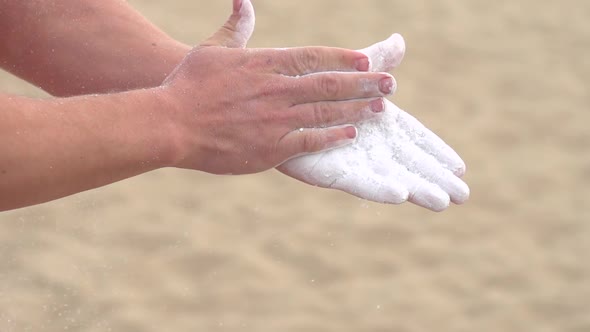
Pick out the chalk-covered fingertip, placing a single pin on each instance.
(399, 196)
(387, 54)
(398, 48)
(439, 205)
(246, 8)
(398, 40)
(430, 196)
(461, 195)
(460, 169)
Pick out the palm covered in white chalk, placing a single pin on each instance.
(395, 158)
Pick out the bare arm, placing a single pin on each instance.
(54, 148)
(222, 110)
(77, 47)
(74, 47)
(201, 118)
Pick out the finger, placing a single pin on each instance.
(433, 144)
(340, 86)
(303, 168)
(421, 192)
(327, 114)
(238, 29)
(425, 165)
(427, 140)
(326, 170)
(306, 60)
(429, 196)
(305, 141)
(373, 187)
(387, 54)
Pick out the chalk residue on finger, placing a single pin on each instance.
(245, 26)
(387, 54)
(394, 158)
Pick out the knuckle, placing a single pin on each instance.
(229, 28)
(284, 88)
(254, 61)
(310, 61)
(314, 59)
(311, 143)
(267, 61)
(329, 85)
(265, 90)
(273, 88)
(321, 114)
(283, 120)
(361, 110)
(259, 59)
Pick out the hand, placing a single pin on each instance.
(394, 159)
(238, 111)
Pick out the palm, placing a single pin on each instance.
(395, 158)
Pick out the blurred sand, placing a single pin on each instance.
(505, 83)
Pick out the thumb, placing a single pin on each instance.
(236, 32)
(387, 54)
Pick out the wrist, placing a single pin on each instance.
(168, 135)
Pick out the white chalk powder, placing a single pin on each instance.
(394, 159)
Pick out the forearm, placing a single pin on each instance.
(58, 147)
(74, 47)
(223, 110)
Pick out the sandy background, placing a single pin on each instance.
(505, 83)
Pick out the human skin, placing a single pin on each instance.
(199, 118)
(394, 159)
(77, 47)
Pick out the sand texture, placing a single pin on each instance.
(504, 83)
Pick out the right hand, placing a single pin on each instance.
(237, 111)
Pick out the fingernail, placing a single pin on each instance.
(377, 105)
(237, 5)
(386, 85)
(350, 132)
(362, 64)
